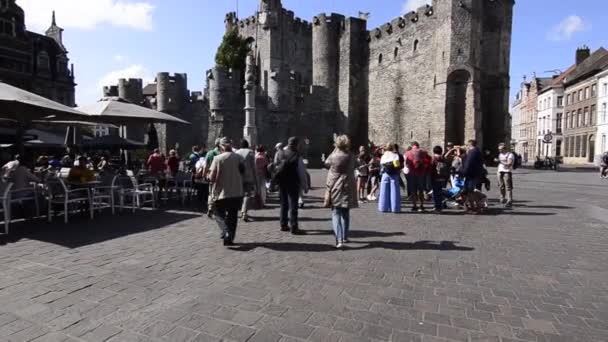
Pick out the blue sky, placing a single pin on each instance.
(108, 39)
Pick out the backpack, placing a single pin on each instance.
(442, 169)
(516, 161)
(194, 157)
(283, 166)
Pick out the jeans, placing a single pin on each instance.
(438, 194)
(341, 223)
(289, 206)
(226, 216)
(505, 183)
(390, 194)
(249, 199)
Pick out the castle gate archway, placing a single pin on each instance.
(456, 106)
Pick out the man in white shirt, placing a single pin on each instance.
(505, 161)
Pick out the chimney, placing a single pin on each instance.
(582, 53)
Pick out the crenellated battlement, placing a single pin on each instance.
(324, 19)
(401, 23)
(288, 18)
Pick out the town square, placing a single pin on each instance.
(278, 170)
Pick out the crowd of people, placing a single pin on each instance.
(231, 181)
(237, 180)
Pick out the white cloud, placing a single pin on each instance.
(88, 14)
(568, 27)
(412, 5)
(133, 71)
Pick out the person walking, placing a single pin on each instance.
(250, 182)
(225, 174)
(261, 167)
(505, 161)
(290, 175)
(418, 162)
(342, 188)
(390, 193)
(440, 175)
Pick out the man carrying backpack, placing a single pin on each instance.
(604, 165)
(290, 175)
(440, 174)
(506, 163)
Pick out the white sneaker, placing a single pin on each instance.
(339, 245)
(369, 198)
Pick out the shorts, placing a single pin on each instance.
(417, 184)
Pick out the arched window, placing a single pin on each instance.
(396, 52)
(415, 45)
(380, 59)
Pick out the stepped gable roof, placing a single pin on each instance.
(593, 64)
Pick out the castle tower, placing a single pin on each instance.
(325, 58)
(131, 90)
(225, 104)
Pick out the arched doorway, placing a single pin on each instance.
(591, 155)
(456, 106)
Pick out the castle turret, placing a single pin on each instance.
(131, 90)
(326, 56)
(225, 103)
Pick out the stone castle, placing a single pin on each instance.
(438, 74)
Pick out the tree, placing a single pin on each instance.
(233, 51)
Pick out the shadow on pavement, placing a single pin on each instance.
(306, 247)
(82, 232)
(360, 234)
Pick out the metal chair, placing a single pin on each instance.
(59, 194)
(139, 194)
(104, 195)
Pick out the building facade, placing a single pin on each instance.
(425, 76)
(34, 62)
(601, 143)
(550, 117)
(526, 107)
(581, 96)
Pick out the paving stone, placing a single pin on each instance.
(539, 325)
(240, 334)
(162, 275)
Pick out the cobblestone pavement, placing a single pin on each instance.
(537, 273)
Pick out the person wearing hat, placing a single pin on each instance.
(291, 177)
(227, 192)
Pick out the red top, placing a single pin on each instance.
(156, 163)
(423, 157)
(173, 164)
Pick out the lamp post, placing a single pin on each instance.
(250, 131)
